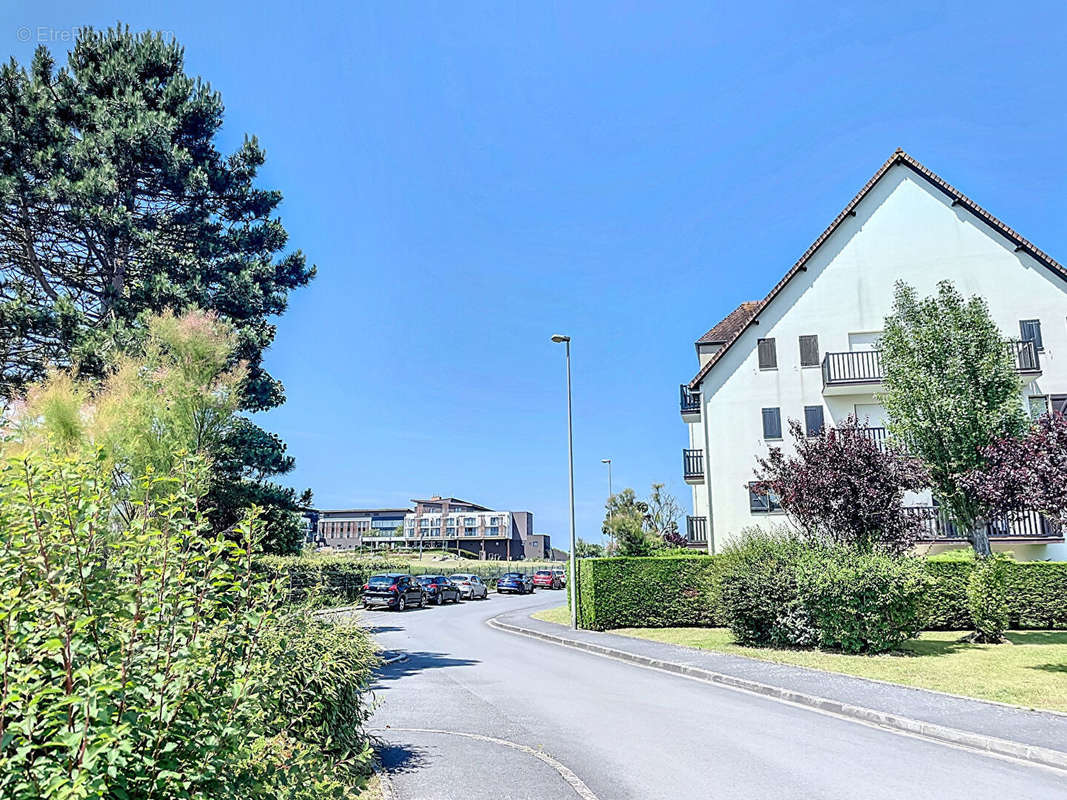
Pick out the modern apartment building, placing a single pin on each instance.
(445, 523)
(809, 350)
(347, 529)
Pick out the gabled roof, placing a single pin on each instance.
(730, 324)
(958, 199)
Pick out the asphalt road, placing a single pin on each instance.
(621, 731)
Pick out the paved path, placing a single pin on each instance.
(615, 731)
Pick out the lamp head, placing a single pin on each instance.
(605, 461)
(559, 337)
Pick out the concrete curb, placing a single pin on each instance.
(976, 741)
(388, 792)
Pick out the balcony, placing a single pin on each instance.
(876, 435)
(693, 466)
(696, 531)
(1018, 526)
(861, 372)
(690, 404)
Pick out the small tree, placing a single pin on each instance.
(584, 549)
(1026, 472)
(663, 515)
(951, 390)
(841, 487)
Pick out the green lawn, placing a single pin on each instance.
(1031, 671)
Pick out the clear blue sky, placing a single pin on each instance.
(471, 178)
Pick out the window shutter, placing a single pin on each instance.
(772, 423)
(809, 351)
(1030, 331)
(768, 355)
(813, 420)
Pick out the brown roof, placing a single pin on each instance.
(730, 324)
(958, 199)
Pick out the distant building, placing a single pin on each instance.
(436, 523)
(346, 529)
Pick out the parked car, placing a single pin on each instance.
(515, 582)
(562, 577)
(439, 589)
(471, 587)
(392, 590)
(547, 579)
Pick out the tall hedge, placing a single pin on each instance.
(648, 592)
(684, 592)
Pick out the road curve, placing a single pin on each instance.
(628, 732)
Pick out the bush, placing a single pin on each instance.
(137, 649)
(758, 589)
(861, 602)
(648, 592)
(987, 598)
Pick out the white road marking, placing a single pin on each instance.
(573, 780)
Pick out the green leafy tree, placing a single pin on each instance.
(951, 390)
(584, 549)
(116, 203)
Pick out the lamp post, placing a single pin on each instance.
(608, 462)
(572, 575)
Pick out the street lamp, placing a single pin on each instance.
(572, 575)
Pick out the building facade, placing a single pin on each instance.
(437, 523)
(809, 350)
(348, 529)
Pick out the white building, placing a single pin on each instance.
(809, 349)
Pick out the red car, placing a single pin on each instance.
(548, 578)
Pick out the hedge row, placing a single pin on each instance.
(684, 592)
(341, 577)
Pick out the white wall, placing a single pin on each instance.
(903, 230)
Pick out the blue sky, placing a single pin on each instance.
(472, 178)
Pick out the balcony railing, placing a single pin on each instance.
(865, 366)
(876, 435)
(696, 530)
(1017, 525)
(856, 366)
(689, 400)
(693, 464)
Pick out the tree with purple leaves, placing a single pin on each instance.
(1026, 472)
(841, 487)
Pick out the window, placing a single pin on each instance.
(809, 351)
(772, 423)
(1030, 331)
(813, 420)
(1038, 405)
(768, 355)
(1058, 402)
(762, 502)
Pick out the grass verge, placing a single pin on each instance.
(1031, 671)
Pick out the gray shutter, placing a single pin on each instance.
(809, 351)
(813, 420)
(1030, 331)
(768, 355)
(772, 423)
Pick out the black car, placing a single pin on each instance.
(392, 590)
(439, 589)
(515, 582)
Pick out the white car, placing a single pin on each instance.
(471, 587)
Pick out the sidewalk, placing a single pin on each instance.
(1037, 736)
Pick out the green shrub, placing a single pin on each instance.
(987, 598)
(758, 590)
(861, 602)
(648, 592)
(137, 649)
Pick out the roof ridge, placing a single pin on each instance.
(899, 156)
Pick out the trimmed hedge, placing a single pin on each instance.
(684, 592)
(648, 592)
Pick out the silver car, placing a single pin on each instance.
(471, 587)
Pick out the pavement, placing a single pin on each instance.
(475, 712)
